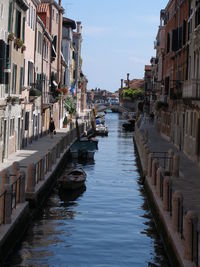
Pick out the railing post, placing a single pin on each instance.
(149, 165)
(15, 168)
(5, 179)
(176, 199)
(154, 171)
(146, 135)
(49, 161)
(41, 168)
(8, 203)
(176, 160)
(190, 221)
(166, 186)
(147, 152)
(158, 184)
(22, 186)
(170, 160)
(31, 179)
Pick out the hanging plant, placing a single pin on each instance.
(69, 105)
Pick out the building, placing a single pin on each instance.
(68, 50)
(4, 11)
(31, 109)
(191, 86)
(14, 120)
(77, 41)
(51, 14)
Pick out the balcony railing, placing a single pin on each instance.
(191, 89)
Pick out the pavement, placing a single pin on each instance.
(188, 182)
(34, 151)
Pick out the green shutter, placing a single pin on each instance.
(23, 29)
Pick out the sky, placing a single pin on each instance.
(118, 38)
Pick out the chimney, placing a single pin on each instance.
(128, 81)
(59, 2)
(122, 81)
(79, 27)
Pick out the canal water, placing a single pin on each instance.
(107, 224)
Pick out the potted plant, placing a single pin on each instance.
(23, 48)
(65, 121)
(18, 43)
(11, 36)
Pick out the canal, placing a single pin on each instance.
(108, 224)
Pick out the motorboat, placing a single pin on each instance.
(101, 130)
(129, 125)
(73, 179)
(84, 148)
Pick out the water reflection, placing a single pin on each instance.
(68, 196)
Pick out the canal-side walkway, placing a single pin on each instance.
(174, 184)
(26, 177)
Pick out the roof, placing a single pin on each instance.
(53, 2)
(42, 8)
(69, 22)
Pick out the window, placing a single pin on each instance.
(14, 79)
(26, 121)
(168, 42)
(197, 15)
(34, 19)
(52, 13)
(30, 73)
(10, 17)
(12, 126)
(57, 18)
(23, 30)
(21, 82)
(191, 122)
(18, 24)
(39, 42)
(1, 128)
(1, 11)
(29, 15)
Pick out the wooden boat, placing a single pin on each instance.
(73, 179)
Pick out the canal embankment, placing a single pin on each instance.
(172, 183)
(26, 179)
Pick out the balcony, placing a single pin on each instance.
(191, 89)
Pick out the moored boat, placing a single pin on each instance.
(101, 130)
(73, 179)
(84, 148)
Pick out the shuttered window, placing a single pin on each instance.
(18, 24)
(26, 121)
(14, 79)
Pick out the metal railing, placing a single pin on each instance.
(3, 208)
(163, 159)
(15, 189)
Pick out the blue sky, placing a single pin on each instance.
(118, 37)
